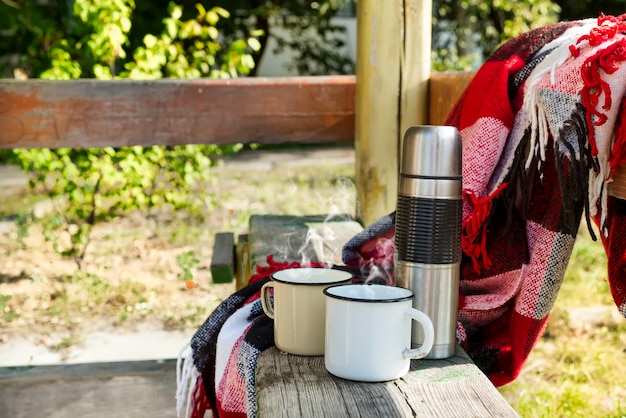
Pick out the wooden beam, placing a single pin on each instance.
(379, 44)
(393, 67)
(95, 113)
(92, 113)
(118, 389)
(617, 187)
(415, 66)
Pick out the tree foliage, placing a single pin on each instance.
(467, 31)
(581, 9)
(150, 39)
(94, 185)
(93, 38)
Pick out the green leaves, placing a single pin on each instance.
(191, 49)
(95, 39)
(187, 262)
(89, 186)
(7, 313)
(467, 31)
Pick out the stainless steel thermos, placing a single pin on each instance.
(427, 256)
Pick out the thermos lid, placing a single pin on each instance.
(432, 151)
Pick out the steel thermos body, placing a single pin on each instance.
(427, 256)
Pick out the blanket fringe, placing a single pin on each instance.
(186, 375)
(474, 238)
(199, 401)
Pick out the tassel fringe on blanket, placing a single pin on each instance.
(543, 125)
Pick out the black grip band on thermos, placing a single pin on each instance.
(428, 231)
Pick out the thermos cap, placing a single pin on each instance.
(431, 151)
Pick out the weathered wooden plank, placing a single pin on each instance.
(393, 67)
(617, 187)
(96, 113)
(223, 259)
(289, 385)
(94, 390)
(445, 90)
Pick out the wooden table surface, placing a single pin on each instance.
(289, 386)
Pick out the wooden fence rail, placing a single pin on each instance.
(95, 113)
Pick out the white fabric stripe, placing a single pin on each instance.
(230, 332)
(186, 376)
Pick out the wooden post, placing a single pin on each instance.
(393, 67)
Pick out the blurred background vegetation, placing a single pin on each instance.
(226, 38)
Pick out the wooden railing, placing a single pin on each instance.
(94, 113)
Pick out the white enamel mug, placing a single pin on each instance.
(368, 332)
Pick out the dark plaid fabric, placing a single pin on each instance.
(204, 344)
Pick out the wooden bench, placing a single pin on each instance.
(172, 112)
(452, 387)
(289, 385)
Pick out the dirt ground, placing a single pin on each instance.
(131, 280)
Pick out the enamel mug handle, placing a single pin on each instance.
(429, 335)
(266, 301)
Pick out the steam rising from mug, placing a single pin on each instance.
(428, 230)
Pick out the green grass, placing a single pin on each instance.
(585, 282)
(576, 369)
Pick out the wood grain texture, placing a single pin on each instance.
(289, 385)
(96, 113)
(94, 390)
(617, 187)
(445, 90)
(415, 65)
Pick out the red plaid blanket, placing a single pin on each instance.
(544, 129)
(542, 133)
